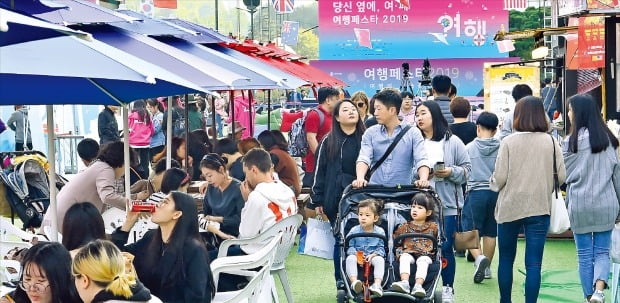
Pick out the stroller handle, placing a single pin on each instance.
(402, 237)
(366, 235)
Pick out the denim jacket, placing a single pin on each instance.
(368, 245)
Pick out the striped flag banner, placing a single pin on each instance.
(515, 4)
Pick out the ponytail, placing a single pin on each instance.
(121, 285)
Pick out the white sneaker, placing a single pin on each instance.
(488, 274)
(357, 286)
(401, 286)
(376, 290)
(597, 297)
(447, 296)
(418, 291)
(481, 264)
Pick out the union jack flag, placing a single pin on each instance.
(284, 6)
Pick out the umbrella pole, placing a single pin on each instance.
(231, 97)
(169, 134)
(269, 110)
(51, 154)
(250, 109)
(186, 132)
(213, 120)
(125, 109)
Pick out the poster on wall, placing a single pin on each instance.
(591, 43)
(499, 82)
(373, 75)
(394, 29)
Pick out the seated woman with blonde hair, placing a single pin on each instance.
(104, 274)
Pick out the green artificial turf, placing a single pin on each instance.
(312, 278)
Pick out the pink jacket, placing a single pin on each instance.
(139, 133)
(242, 109)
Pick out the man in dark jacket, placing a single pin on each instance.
(441, 89)
(107, 125)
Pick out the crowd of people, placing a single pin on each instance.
(479, 169)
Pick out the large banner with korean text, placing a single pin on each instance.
(391, 29)
(372, 75)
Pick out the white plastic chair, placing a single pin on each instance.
(243, 266)
(288, 227)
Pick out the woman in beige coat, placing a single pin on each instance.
(95, 184)
(524, 179)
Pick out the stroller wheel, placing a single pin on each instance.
(437, 296)
(341, 296)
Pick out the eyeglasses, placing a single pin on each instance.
(36, 287)
(361, 104)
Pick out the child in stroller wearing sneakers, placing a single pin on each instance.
(372, 247)
(420, 250)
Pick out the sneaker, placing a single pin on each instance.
(482, 263)
(597, 297)
(487, 273)
(376, 290)
(401, 286)
(447, 296)
(418, 291)
(357, 286)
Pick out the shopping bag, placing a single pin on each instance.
(319, 240)
(559, 221)
(614, 252)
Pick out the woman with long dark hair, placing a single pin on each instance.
(198, 146)
(171, 260)
(158, 139)
(46, 276)
(443, 147)
(524, 200)
(83, 223)
(590, 154)
(140, 133)
(335, 165)
(178, 148)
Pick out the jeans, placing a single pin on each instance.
(447, 251)
(535, 229)
(593, 255)
(218, 122)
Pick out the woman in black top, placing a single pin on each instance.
(335, 164)
(171, 260)
(462, 127)
(222, 202)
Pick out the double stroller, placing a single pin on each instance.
(397, 205)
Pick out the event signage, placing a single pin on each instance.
(372, 75)
(591, 42)
(499, 82)
(395, 29)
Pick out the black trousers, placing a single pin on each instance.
(20, 146)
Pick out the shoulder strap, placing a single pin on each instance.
(556, 181)
(388, 151)
(321, 116)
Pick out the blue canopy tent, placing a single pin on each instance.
(79, 12)
(31, 7)
(109, 76)
(20, 26)
(207, 35)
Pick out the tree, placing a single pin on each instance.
(531, 18)
(308, 44)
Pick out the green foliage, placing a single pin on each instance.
(531, 18)
(308, 44)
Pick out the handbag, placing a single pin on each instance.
(464, 239)
(319, 240)
(387, 152)
(559, 221)
(614, 251)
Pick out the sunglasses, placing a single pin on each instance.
(361, 104)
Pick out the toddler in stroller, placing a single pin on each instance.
(416, 247)
(370, 248)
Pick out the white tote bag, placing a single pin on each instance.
(559, 221)
(614, 252)
(319, 239)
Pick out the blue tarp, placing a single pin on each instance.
(185, 65)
